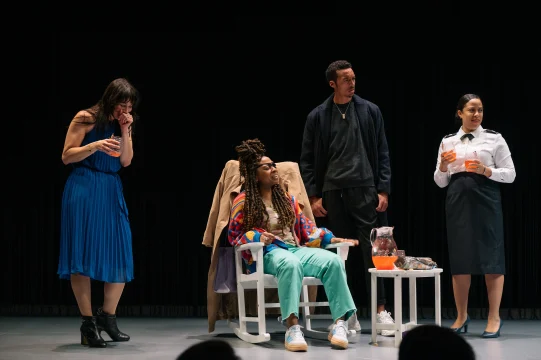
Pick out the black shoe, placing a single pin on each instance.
(464, 327)
(107, 323)
(89, 333)
(492, 335)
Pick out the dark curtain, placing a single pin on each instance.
(205, 92)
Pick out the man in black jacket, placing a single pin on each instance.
(346, 170)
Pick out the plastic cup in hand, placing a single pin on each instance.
(117, 152)
(448, 148)
(471, 156)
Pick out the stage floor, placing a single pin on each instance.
(39, 338)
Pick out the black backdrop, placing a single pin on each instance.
(203, 93)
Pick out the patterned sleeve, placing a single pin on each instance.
(310, 235)
(235, 233)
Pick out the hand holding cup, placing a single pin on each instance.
(448, 155)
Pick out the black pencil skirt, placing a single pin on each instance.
(474, 218)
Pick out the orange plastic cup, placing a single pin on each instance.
(116, 153)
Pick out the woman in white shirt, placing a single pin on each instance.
(472, 163)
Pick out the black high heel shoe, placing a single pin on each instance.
(464, 327)
(89, 333)
(106, 322)
(491, 335)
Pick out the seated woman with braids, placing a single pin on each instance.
(264, 212)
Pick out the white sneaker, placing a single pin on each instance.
(353, 324)
(384, 317)
(295, 339)
(338, 336)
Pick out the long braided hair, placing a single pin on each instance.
(250, 153)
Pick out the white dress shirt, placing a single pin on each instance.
(487, 146)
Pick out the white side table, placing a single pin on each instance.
(398, 275)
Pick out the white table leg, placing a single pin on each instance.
(398, 310)
(413, 299)
(437, 290)
(373, 293)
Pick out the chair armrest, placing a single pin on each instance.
(337, 245)
(342, 249)
(250, 246)
(256, 248)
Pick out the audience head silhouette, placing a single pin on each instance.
(434, 342)
(209, 349)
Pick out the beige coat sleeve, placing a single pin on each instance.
(208, 236)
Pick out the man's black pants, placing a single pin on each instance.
(351, 213)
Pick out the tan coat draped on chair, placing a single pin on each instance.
(224, 306)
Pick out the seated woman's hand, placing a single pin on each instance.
(267, 238)
(341, 240)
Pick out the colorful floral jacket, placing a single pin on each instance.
(306, 233)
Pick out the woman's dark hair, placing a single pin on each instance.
(250, 153)
(118, 91)
(461, 103)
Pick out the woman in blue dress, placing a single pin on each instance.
(95, 238)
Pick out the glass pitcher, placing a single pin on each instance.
(384, 250)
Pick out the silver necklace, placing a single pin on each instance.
(343, 114)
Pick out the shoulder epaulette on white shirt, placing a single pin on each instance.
(491, 131)
(453, 134)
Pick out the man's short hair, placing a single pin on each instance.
(330, 73)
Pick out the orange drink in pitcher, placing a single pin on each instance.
(384, 251)
(384, 262)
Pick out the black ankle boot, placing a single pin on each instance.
(107, 323)
(89, 333)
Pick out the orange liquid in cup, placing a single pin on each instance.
(452, 152)
(116, 153)
(384, 262)
(468, 163)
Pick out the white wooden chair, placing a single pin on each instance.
(260, 281)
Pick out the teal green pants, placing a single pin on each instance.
(290, 266)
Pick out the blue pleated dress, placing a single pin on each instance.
(95, 235)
